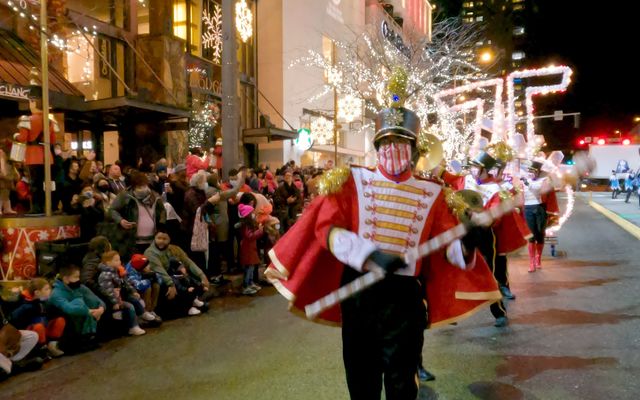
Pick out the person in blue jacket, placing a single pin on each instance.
(81, 308)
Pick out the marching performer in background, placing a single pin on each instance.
(378, 216)
(511, 231)
(535, 212)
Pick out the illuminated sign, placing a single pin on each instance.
(14, 92)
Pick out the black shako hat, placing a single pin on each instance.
(535, 166)
(484, 160)
(399, 122)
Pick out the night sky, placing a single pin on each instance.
(601, 42)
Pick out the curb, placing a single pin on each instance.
(616, 219)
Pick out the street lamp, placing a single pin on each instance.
(636, 119)
(486, 56)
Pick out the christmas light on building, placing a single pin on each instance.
(244, 20)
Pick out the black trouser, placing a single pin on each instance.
(500, 272)
(487, 247)
(629, 190)
(36, 176)
(536, 217)
(382, 330)
(217, 250)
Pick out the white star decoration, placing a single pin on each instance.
(394, 118)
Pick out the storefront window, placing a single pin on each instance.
(187, 18)
(89, 71)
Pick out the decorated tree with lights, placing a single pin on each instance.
(375, 70)
(204, 117)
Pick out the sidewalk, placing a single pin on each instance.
(626, 215)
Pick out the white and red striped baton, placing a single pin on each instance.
(377, 273)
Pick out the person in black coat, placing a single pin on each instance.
(288, 202)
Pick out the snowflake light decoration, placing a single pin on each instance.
(212, 35)
(322, 130)
(244, 20)
(349, 108)
(394, 117)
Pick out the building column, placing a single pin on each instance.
(229, 111)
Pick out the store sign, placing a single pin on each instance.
(13, 91)
(395, 38)
(204, 76)
(304, 141)
(104, 47)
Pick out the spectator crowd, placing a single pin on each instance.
(159, 237)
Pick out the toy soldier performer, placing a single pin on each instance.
(31, 132)
(380, 215)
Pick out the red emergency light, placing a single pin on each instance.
(601, 141)
(581, 142)
(626, 142)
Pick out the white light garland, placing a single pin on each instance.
(498, 111)
(212, 35)
(322, 130)
(349, 108)
(244, 20)
(567, 212)
(530, 91)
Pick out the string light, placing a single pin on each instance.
(244, 20)
(567, 212)
(212, 34)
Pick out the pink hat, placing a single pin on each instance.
(244, 210)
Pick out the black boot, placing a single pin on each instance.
(425, 375)
(506, 293)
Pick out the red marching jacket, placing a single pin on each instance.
(388, 214)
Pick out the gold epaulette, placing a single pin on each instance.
(505, 195)
(333, 180)
(455, 202)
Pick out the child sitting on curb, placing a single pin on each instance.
(124, 300)
(32, 315)
(147, 283)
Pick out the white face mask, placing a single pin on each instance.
(395, 158)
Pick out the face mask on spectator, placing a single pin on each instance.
(74, 285)
(141, 193)
(88, 194)
(103, 188)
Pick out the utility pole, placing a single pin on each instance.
(44, 60)
(230, 116)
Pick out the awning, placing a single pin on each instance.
(266, 135)
(329, 148)
(16, 61)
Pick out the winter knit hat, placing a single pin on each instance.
(99, 245)
(244, 210)
(138, 262)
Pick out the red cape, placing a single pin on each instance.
(303, 271)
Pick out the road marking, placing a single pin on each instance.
(618, 220)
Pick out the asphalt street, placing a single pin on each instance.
(574, 333)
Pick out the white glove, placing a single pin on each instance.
(455, 255)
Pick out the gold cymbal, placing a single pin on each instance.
(431, 153)
(473, 199)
